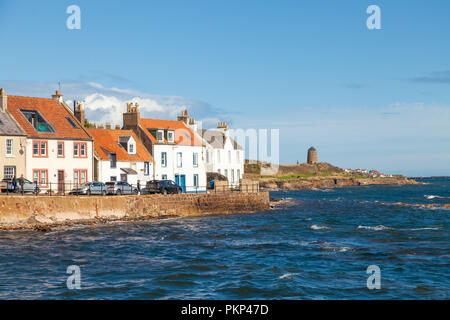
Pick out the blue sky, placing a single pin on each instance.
(364, 98)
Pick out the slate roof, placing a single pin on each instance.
(106, 141)
(8, 126)
(217, 139)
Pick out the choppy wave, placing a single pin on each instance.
(317, 227)
(432, 196)
(376, 228)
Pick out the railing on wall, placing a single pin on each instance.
(76, 189)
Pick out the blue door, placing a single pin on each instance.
(181, 181)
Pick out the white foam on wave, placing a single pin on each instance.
(285, 276)
(432, 196)
(425, 228)
(376, 228)
(316, 227)
(337, 249)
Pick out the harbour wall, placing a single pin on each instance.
(18, 212)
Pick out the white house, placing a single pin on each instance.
(121, 156)
(58, 150)
(223, 154)
(178, 153)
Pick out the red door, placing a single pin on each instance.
(60, 181)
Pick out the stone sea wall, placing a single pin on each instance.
(17, 212)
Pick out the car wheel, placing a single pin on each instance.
(103, 193)
(88, 192)
(119, 192)
(164, 191)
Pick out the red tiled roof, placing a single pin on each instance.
(106, 139)
(52, 111)
(183, 135)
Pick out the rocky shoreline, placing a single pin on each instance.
(328, 182)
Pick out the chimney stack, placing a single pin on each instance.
(108, 126)
(57, 96)
(223, 127)
(132, 118)
(184, 117)
(100, 126)
(3, 100)
(117, 126)
(79, 112)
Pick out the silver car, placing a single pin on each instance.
(120, 187)
(88, 188)
(28, 186)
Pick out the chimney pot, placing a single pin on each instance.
(108, 126)
(117, 126)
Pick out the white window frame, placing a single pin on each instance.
(195, 159)
(158, 134)
(170, 136)
(10, 152)
(179, 160)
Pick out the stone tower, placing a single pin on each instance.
(312, 156)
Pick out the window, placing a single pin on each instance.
(218, 155)
(60, 149)
(226, 173)
(207, 156)
(146, 168)
(195, 159)
(72, 123)
(113, 160)
(40, 149)
(80, 150)
(164, 177)
(9, 172)
(179, 160)
(113, 178)
(159, 135)
(170, 136)
(229, 156)
(237, 157)
(131, 148)
(37, 121)
(195, 180)
(238, 174)
(232, 175)
(218, 171)
(79, 176)
(163, 159)
(40, 176)
(9, 147)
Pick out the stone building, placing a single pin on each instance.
(312, 156)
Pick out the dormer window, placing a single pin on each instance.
(131, 148)
(160, 135)
(170, 136)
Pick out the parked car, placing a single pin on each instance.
(161, 186)
(28, 186)
(89, 188)
(120, 187)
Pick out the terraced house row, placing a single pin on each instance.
(47, 142)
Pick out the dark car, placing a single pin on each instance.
(161, 186)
